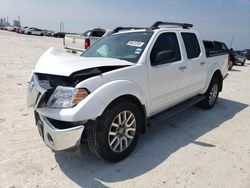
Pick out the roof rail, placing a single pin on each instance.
(116, 30)
(154, 26)
(183, 25)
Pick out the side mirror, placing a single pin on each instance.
(163, 57)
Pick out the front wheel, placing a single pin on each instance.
(117, 131)
(211, 94)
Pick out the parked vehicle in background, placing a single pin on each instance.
(216, 47)
(107, 95)
(35, 31)
(10, 28)
(80, 42)
(18, 29)
(23, 29)
(239, 58)
(49, 33)
(247, 54)
(59, 34)
(26, 30)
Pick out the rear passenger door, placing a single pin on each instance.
(196, 63)
(167, 80)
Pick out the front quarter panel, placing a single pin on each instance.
(94, 104)
(114, 89)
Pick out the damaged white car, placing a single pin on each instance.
(126, 80)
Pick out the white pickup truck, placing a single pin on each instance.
(109, 94)
(80, 42)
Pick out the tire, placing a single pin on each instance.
(42, 34)
(111, 140)
(211, 94)
(29, 33)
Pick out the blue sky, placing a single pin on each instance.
(214, 19)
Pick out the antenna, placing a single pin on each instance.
(61, 26)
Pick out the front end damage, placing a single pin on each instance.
(56, 76)
(62, 128)
(59, 138)
(56, 135)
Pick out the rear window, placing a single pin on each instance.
(191, 44)
(97, 33)
(94, 33)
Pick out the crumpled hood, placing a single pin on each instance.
(57, 61)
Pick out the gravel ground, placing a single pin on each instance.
(196, 148)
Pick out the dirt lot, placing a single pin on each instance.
(196, 148)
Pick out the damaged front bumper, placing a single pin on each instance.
(58, 135)
(58, 139)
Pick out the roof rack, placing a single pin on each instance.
(116, 30)
(183, 25)
(154, 26)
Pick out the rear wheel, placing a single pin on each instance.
(117, 131)
(211, 94)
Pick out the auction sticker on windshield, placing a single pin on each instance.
(135, 43)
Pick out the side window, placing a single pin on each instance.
(166, 41)
(191, 44)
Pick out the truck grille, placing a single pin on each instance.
(37, 91)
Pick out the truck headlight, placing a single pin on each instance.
(66, 97)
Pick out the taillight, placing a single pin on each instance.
(87, 43)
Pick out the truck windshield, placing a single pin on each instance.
(125, 46)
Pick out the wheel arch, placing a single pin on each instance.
(217, 74)
(213, 74)
(137, 102)
(123, 89)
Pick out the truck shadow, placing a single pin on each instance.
(235, 70)
(153, 148)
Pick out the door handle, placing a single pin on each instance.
(202, 63)
(182, 68)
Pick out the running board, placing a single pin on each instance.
(166, 114)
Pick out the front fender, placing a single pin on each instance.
(114, 89)
(95, 103)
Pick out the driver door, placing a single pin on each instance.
(167, 80)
